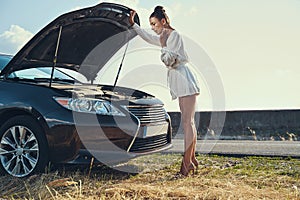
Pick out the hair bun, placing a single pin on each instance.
(160, 13)
(159, 8)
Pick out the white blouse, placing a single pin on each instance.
(173, 54)
(181, 81)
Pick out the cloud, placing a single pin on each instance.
(14, 39)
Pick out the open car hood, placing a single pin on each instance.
(83, 40)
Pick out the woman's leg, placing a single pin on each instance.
(194, 159)
(187, 106)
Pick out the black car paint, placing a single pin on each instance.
(55, 119)
(36, 99)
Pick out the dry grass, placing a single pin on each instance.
(217, 178)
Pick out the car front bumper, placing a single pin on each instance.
(77, 138)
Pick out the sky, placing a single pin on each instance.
(252, 46)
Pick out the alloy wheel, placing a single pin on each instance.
(19, 151)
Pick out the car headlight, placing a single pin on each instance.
(89, 106)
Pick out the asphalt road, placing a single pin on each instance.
(242, 147)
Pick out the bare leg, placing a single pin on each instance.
(187, 106)
(194, 159)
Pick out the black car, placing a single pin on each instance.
(51, 109)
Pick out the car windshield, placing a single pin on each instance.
(41, 74)
(4, 59)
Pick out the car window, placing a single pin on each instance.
(4, 60)
(29, 74)
(78, 76)
(45, 73)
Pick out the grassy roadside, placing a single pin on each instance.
(217, 178)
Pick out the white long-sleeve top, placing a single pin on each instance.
(173, 54)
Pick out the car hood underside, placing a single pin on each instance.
(82, 40)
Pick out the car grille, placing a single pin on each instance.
(150, 143)
(148, 114)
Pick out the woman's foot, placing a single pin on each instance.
(196, 163)
(185, 170)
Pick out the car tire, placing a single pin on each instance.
(23, 147)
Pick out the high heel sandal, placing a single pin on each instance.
(185, 171)
(196, 163)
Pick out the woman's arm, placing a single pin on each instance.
(150, 38)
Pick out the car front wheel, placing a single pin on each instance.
(23, 147)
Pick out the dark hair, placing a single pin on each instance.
(160, 13)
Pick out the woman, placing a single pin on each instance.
(182, 83)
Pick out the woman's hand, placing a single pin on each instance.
(131, 17)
